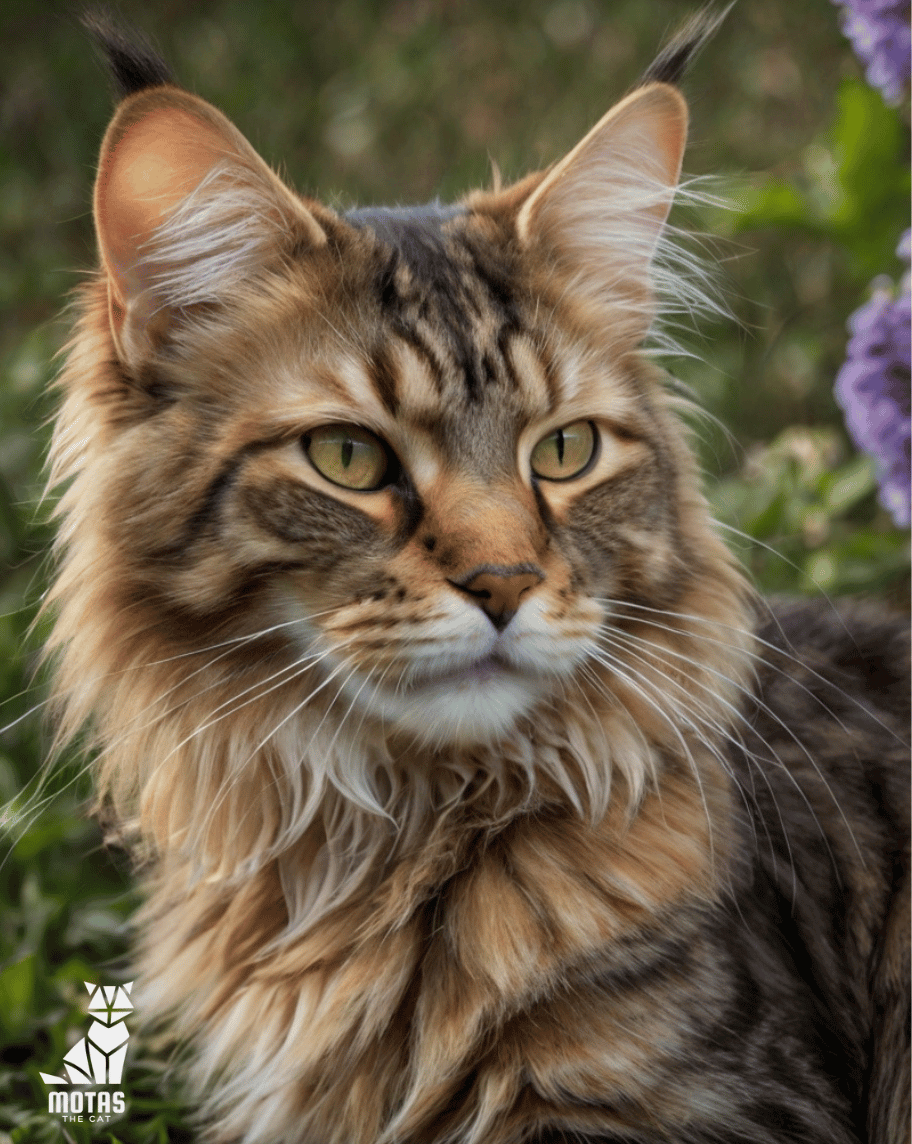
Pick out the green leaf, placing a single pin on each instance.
(17, 992)
(773, 203)
(842, 490)
(872, 173)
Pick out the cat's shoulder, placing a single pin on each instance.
(829, 727)
(855, 652)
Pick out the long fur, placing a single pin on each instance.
(614, 870)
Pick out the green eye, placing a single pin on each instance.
(347, 456)
(565, 452)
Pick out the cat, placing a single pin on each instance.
(478, 799)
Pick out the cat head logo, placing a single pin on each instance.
(99, 1057)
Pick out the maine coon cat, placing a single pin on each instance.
(474, 802)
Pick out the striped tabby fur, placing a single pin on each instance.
(475, 805)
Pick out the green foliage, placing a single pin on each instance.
(808, 505)
(400, 102)
(807, 517)
(854, 189)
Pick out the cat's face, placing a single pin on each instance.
(462, 486)
(426, 477)
(404, 466)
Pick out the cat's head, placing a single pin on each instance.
(396, 473)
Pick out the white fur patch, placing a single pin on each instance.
(462, 682)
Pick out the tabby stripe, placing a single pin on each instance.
(424, 350)
(787, 1123)
(478, 370)
(390, 299)
(383, 376)
(411, 505)
(212, 498)
(461, 345)
(544, 509)
(472, 371)
(498, 287)
(209, 507)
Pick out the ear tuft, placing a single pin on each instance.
(678, 54)
(132, 61)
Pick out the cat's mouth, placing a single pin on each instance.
(473, 701)
(490, 667)
(452, 695)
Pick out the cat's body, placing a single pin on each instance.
(476, 812)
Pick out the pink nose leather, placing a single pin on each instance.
(498, 591)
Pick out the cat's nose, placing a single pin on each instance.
(498, 590)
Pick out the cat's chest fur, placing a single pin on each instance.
(465, 988)
(546, 975)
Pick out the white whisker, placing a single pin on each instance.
(725, 733)
(755, 698)
(623, 671)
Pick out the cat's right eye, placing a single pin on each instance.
(348, 456)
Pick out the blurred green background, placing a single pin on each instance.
(361, 101)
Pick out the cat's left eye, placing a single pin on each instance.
(565, 452)
(348, 456)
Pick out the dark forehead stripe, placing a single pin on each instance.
(453, 305)
(414, 233)
(383, 375)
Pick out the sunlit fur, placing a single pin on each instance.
(411, 878)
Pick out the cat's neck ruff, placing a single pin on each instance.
(486, 891)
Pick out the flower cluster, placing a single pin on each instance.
(880, 34)
(873, 388)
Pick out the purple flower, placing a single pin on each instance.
(873, 388)
(880, 34)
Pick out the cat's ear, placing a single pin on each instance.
(184, 209)
(599, 213)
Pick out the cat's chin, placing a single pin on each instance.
(469, 707)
